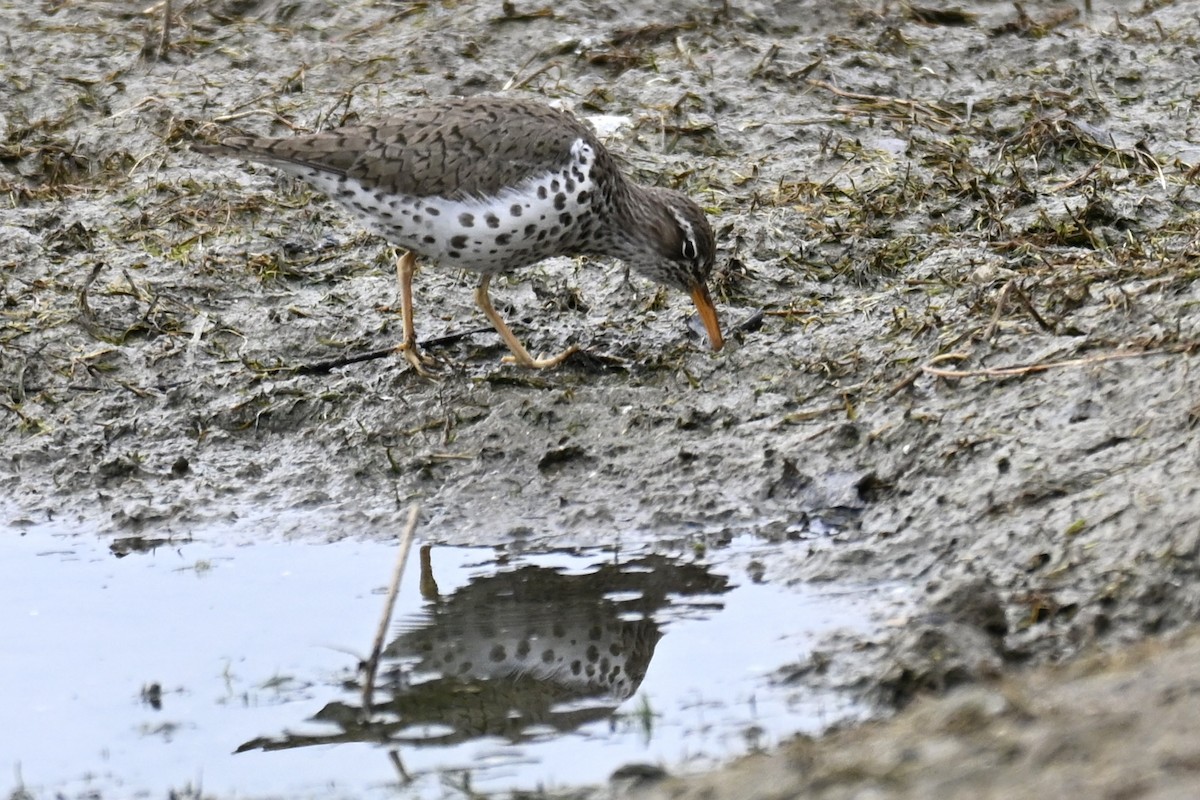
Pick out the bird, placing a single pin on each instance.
(491, 184)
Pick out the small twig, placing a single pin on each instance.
(28, 420)
(84, 308)
(511, 83)
(1033, 312)
(813, 413)
(372, 665)
(256, 112)
(1026, 369)
(322, 367)
(1000, 301)
(929, 109)
(394, 757)
(1071, 184)
(911, 377)
(159, 51)
(164, 40)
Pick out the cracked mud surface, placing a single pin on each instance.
(973, 241)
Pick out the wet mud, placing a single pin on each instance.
(957, 270)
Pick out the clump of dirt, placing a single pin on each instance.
(963, 243)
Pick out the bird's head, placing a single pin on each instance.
(680, 253)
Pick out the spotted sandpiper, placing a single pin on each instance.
(492, 184)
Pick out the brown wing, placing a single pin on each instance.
(452, 148)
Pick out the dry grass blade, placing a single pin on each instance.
(933, 113)
(1027, 369)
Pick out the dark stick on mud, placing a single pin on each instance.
(389, 604)
(164, 41)
(322, 367)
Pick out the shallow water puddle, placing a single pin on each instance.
(502, 670)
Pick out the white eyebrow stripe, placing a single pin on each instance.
(688, 230)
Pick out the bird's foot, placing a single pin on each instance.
(540, 363)
(416, 359)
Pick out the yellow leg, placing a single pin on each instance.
(405, 268)
(519, 355)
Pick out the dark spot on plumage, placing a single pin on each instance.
(565, 218)
(454, 254)
(466, 220)
(516, 210)
(530, 230)
(570, 187)
(430, 240)
(497, 654)
(381, 197)
(492, 220)
(555, 231)
(560, 202)
(583, 197)
(386, 214)
(542, 194)
(576, 667)
(554, 185)
(548, 656)
(503, 239)
(431, 211)
(418, 218)
(541, 236)
(347, 193)
(583, 160)
(458, 242)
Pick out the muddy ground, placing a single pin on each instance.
(971, 235)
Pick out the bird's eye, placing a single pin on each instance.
(689, 249)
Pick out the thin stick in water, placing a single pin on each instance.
(372, 666)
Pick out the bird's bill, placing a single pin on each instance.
(708, 315)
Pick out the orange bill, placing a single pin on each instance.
(708, 315)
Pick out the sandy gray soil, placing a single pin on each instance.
(1112, 727)
(972, 238)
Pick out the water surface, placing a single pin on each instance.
(148, 671)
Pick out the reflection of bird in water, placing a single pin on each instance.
(532, 623)
(529, 647)
(576, 644)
